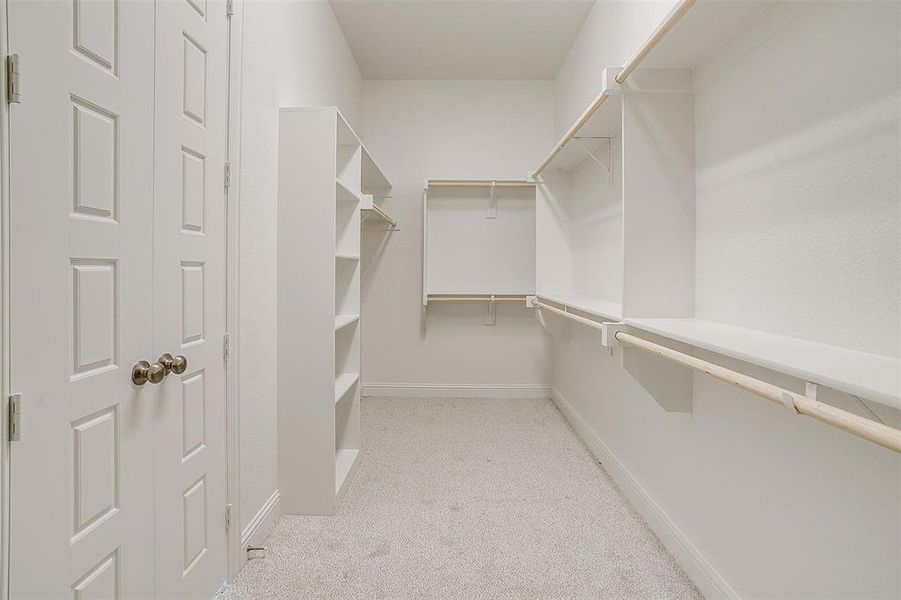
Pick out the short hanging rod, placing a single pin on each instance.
(383, 215)
(879, 433)
(585, 321)
(668, 23)
(480, 183)
(475, 298)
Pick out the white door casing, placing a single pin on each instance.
(117, 254)
(189, 295)
(81, 265)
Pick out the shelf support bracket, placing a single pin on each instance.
(491, 312)
(585, 149)
(492, 202)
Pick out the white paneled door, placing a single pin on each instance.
(116, 256)
(189, 294)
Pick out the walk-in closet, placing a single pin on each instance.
(450, 299)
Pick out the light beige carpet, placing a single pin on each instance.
(468, 499)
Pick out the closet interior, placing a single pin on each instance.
(614, 244)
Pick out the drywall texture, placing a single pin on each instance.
(294, 55)
(446, 129)
(608, 37)
(799, 179)
(797, 232)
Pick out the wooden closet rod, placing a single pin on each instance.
(479, 183)
(885, 436)
(568, 315)
(668, 23)
(476, 298)
(383, 215)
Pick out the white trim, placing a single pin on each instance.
(261, 524)
(698, 568)
(457, 390)
(4, 308)
(235, 555)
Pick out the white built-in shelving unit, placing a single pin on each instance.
(616, 223)
(478, 241)
(326, 178)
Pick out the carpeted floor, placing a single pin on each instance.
(468, 499)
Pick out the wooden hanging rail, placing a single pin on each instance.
(382, 215)
(475, 298)
(668, 23)
(885, 436)
(479, 183)
(584, 320)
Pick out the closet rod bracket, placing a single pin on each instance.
(491, 311)
(608, 334)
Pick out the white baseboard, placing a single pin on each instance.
(698, 568)
(456, 390)
(262, 522)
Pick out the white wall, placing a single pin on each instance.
(446, 129)
(798, 232)
(607, 39)
(294, 55)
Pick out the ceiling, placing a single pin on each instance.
(463, 39)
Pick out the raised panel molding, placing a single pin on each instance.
(199, 6)
(101, 582)
(96, 32)
(194, 98)
(95, 474)
(194, 519)
(193, 411)
(192, 302)
(95, 136)
(193, 203)
(95, 319)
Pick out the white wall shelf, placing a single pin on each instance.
(350, 257)
(345, 194)
(478, 238)
(870, 376)
(343, 384)
(342, 321)
(603, 309)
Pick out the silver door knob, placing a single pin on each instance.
(177, 364)
(143, 372)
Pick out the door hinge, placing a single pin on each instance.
(15, 417)
(228, 174)
(13, 86)
(228, 516)
(226, 346)
(229, 8)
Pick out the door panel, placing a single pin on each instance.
(81, 198)
(189, 295)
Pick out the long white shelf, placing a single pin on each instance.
(345, 194)
(605, 309)
(870, 376)
(343, 384)
(345, 465)
(346, 256)
(345, 320)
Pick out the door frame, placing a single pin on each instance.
(4, 309)
(232, 291)
(233, 288)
